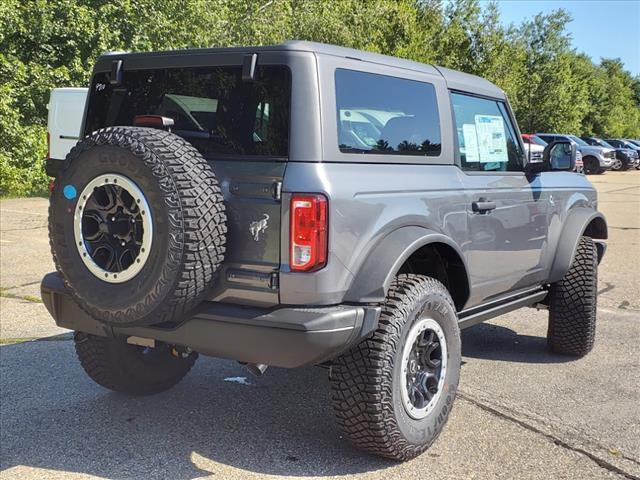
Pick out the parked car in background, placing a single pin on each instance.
(579, 168)
(626, 157)
(534, 148)
(635, 143)
(66, 108)
(596, 159)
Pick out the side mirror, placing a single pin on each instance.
(559, 156)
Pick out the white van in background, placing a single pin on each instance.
(66, 109)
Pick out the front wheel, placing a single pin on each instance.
(132, 369)
(572, 304)
(393, 392)
(592, 166)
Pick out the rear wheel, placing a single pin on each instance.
(621, 165)
(392, 393)
(122, 367)
(572, 304)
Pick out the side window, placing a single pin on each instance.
(386, 115)
(487, 139)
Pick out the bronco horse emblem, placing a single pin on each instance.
(259, 226)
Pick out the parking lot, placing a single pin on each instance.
(521, 412)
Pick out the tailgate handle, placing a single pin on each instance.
(483, 205)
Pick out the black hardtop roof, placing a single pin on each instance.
(455, 80)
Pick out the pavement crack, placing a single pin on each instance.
(556, 440)
(22, 229)
(54, 338)
(26, 298)
(609, 286)
(28, 284)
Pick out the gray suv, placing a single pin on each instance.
(596, 159)
(305, 204)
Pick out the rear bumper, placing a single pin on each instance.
(282, 337)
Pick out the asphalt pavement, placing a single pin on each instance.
(521, 412)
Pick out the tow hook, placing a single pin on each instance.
(180, 351)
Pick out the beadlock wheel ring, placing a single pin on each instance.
(424, 364)
(113, 228)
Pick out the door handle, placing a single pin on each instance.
(483, 205)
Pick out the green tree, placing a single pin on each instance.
(51, 43)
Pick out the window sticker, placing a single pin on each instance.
(492, 140)
(472, 154)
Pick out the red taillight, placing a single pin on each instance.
(308, 232)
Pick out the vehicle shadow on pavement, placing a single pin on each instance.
(54, 417)
(495, 342)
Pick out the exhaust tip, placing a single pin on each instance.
(257, 369)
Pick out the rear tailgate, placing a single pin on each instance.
(252, 197)
(241, 127)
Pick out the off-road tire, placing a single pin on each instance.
(572, 304)
(189, 225)
(131, 369)
(365, 380)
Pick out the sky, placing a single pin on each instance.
(600, 28)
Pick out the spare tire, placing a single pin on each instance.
(137, 225)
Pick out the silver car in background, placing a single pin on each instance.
(596, 159)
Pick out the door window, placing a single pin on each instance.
(487, 138)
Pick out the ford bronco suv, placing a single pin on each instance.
(306, 204)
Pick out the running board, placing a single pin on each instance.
(475, 315)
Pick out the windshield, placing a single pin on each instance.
(579, 141)
(538, 141)
(602, 143)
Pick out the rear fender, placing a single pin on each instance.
(372, 281)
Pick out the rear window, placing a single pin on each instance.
(386, 115)
(211, 107)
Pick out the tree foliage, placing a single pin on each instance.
(52, 43)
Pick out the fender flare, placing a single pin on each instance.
(578, 221)
(372, 281)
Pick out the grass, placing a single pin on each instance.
(4, 292)
(55, 338)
